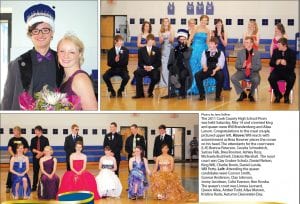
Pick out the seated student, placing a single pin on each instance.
(117, 60)
(78, 179)
(247, 66)
(137, 180)
(179, 66)
(149, 62)
(108, 182)
(284, 62)
(165, 183)
(49, 181)
(212, 61)
(19, 167)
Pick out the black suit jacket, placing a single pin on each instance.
(140, 141)
(115, 144)
(157, 145)
(69, 145)
(43, 143)
(289, 55)
(122, 63)
(153, 60)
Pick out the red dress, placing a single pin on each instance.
(73, 182)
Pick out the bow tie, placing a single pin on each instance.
(40, 57)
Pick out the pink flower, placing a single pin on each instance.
(75, 100)
(26, 101)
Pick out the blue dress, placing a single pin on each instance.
(137, 176)
(199, 45)
(226, 84)
(20, 167)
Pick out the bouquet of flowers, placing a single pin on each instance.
(49, 100)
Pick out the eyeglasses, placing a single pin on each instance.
(43, 31)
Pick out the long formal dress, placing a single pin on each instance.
(107, 181)
(281, 84)
(199, 45)
(73, 182)
(167, 184)
(20, 167)
(48, 187)
(226, 84)
(137, 176)
(165, 53)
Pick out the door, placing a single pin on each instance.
(178, 135)
(107, 32)
(121, 26)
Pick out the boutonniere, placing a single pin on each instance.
(252, 53)
(152, 53)
(138, 139)
(121, 51)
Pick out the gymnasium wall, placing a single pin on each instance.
(62, 121)
(234, 10)
(78, 17)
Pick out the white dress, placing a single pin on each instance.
(108, 183)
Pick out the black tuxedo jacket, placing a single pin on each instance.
(122, 63)
(157, 145)
(69, 145)
(289, 55)
(140, 141)
(115, 144)
(43, 143)
(153, 60)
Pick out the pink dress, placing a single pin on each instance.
(73, 182)
(281, 84)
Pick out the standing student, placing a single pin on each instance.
(162, 138)
(115, 142)
(38, 143)
(70, 141)
(134, 140)
(252, 31)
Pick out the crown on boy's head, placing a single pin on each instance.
(39, 13)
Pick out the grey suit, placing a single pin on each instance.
(240, 73)
(19, 79)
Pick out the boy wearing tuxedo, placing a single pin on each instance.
(117, 60)
(115, 142)
(149, 62)
(70, 141)
(133, 141)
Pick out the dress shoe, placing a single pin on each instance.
(218, 98)
(286, 99)
(175, 81)
(168, 96)
(7, 190)
(242, 96)
(251, 98)
(201, 97)
(119, 95)
(33, 189)
(136, 97)
(182, 97)
(277, 98)
(150, 95)
(112, 94)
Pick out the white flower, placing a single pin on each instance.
(50, 97)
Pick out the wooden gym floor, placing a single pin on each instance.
(191, 103)
(187, 171)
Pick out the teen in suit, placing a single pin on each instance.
(161, 139)
(70, 141)
(115, 142)
(117, 60)
(134, 140)
(149, 62)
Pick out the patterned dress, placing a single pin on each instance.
(137, 176)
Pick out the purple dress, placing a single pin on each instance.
(137, 176)
(66, 87)
(48, 187)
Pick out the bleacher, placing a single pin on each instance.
(234, 45)
(93, 154)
